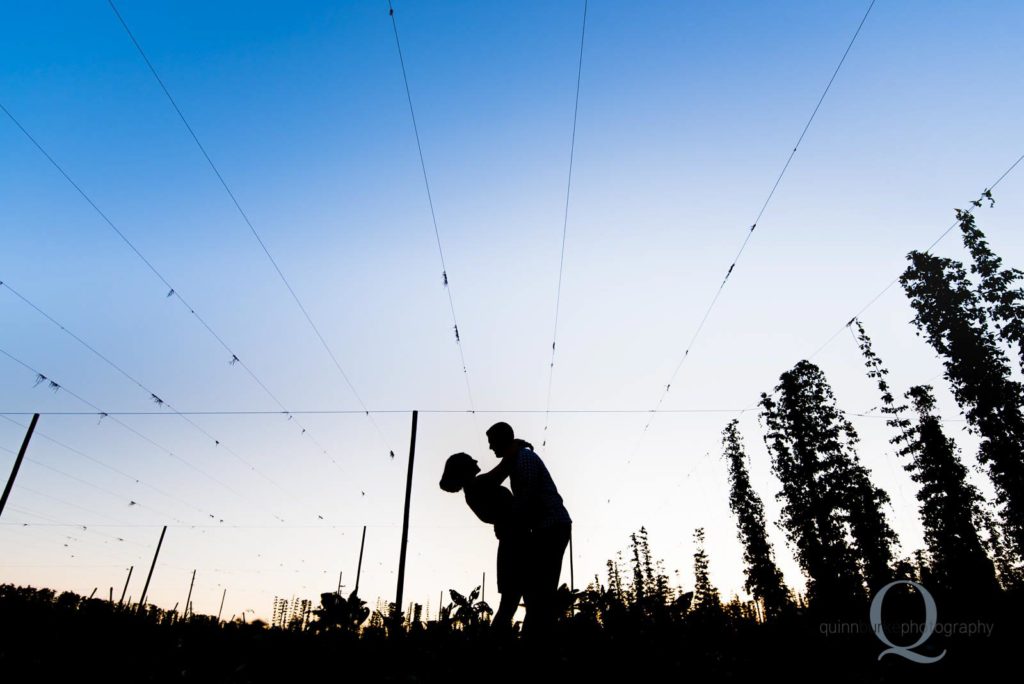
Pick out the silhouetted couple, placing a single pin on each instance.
(530, 522)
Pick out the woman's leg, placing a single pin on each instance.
(511, 564)
(506, 609)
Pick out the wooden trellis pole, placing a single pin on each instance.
(572, 577)
(405, 522)
(17, 462)
(188, 601)
(359, 568)
(142, 599)
(125, 590)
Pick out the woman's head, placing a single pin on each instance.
(459, 469)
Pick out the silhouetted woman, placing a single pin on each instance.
(494, 505)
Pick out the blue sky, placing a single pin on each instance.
(687, 112)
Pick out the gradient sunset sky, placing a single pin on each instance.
(687, 114)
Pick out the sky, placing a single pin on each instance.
(687, 113)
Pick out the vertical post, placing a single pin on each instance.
(359, 568)
(188, 601)
(142, 599)
(222, 597)
(17, 462)
(125, 590)
(111, 598)
(483, 587)
(405, 521)
(572, 579)
(339, 582)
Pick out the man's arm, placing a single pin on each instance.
(498, 474)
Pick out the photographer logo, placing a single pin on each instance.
(930, 615)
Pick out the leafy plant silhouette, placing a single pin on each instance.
(336, 613)
(468, 612)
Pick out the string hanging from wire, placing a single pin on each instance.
(172, 292)
(248, 222)
(565, 224)
(25, 488)
(114, 495)
(433, 214)
(52, 522)
(58, 387)
(602, 412)
(152, 395)
(116, 471)
(43, 540)
(743, 246)
(753, 226)
(985, 195)
(235, 412)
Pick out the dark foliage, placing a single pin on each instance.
(999, 288)
(338, 613)
(951, 316)
(832, 512)
(950, 507)
(74, 638)
(763, 577)
(706, 599)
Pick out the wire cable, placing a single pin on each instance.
(111, 468)
(353, 412)
(895, 280)
(234, 359)
(850, 322)
(55, 386)
(750, 231)
(104, 490)
(433, 214)
(152, 395)
(52, 522)
(245, 217)
(565, 221)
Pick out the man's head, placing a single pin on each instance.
(501, 440)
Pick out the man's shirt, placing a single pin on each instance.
(535, 491)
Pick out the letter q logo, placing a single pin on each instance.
(930, 614)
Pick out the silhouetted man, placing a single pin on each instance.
(540, 507)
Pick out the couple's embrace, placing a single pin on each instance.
(530, 522)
